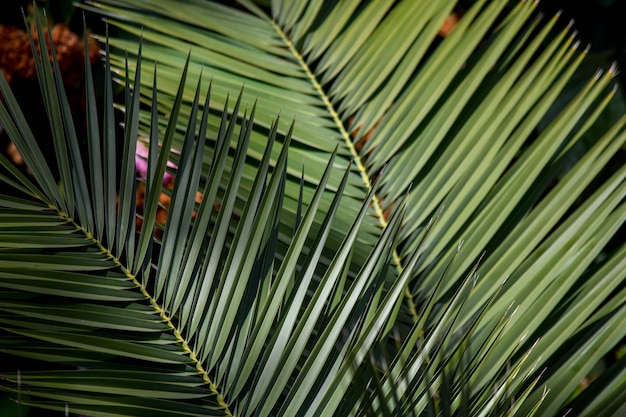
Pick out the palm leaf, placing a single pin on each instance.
(460, 122)
(143, 322)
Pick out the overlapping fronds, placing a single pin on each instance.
(320, 290)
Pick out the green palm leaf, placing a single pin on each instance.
(168, 320)
(276, 303)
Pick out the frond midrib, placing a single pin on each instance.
(356, 156)
(167, 319)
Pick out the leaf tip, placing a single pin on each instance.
(598, 74)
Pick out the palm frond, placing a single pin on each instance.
(272, 301)
(170, 320)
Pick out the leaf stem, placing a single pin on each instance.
(158, 309)
(358, 160)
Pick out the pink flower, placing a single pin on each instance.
(141, 164)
